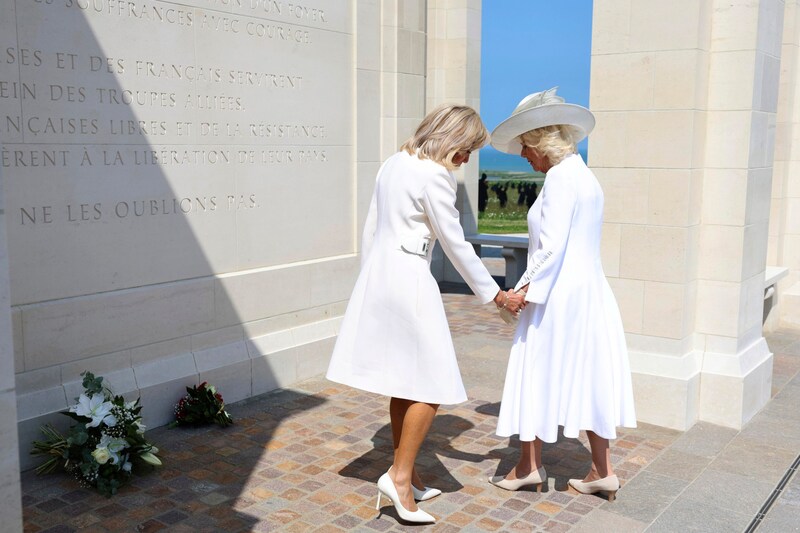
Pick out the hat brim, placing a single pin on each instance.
(504, 136)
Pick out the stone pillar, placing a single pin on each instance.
(784, 224)
(10, 502)
(685, 95)
(454, 76)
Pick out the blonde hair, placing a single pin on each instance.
(444, 132)
(553, 142)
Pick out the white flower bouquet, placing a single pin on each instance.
(102, 448)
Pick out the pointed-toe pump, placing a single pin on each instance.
(537, 477)
(427, 493)
(386, 488)
(609, 485)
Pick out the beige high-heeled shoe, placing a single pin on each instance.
(537, 477)
(609, 485)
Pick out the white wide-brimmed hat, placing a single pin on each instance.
(538, 110)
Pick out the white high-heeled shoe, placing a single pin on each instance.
(386, 488)
(609, 485)
(425, 494)
(537, 477)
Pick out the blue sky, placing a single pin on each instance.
(528, 46)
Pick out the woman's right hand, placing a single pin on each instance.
(510, 300)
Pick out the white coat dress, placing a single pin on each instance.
(568, 364)
(394, 339)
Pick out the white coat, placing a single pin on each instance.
(569, 362)
(394, 339)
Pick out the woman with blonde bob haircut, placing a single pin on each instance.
(569, 363)
(394, 339)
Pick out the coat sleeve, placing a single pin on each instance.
(558, 205)
(439, 203)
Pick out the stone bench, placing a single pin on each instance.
(515, 252)
(771, 276)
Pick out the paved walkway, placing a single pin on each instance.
(307, 459)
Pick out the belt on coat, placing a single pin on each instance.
(417, 245)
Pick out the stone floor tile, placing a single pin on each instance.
(644, 497)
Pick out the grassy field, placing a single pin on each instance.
(511, 218)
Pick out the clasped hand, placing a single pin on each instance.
(510, 300)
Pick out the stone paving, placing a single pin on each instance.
(308, 458)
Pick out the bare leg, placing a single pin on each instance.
(417, 418)
(601, 457)
(530, 459)
(397, 413)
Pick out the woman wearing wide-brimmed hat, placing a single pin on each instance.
(394, 339)
(569, 362)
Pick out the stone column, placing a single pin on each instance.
(685, 95)
(784, 223)
(10, 502)
(454, 76)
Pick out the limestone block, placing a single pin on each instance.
(159, 371)
(367, 113)
(669, 197)
(274, 370)
(368, 35)
(41, 402)
(630, 299)
(418, 53)
(752, 302)
(649, 32)
(734, 25)
(158, 401)
(718, 306)
(99, 366)
(313, 358)
(68, 330)
(158, 350)
(665, 310)
(121, 381)
(654, 253)
(721, 256)
(762, 139)
(16, 328)
(699, 138)
(410, 91)
(730, 86)
(625, 191)
(666, 402)
(791, 251)
(610, 248)
(726, 190)
(766, 83)
(696, 195)
(607, 144)
(678, 76)
(659, 139)
(610, 27)
(390, 48)
(770, 27)
(780, 180)
(217, 337)
(733, 400)
(622, 82)
(403, 51)
(228, 368)
(412, 15)
(728, 139)
(755, 243)
(35, 380)
(792, 210)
